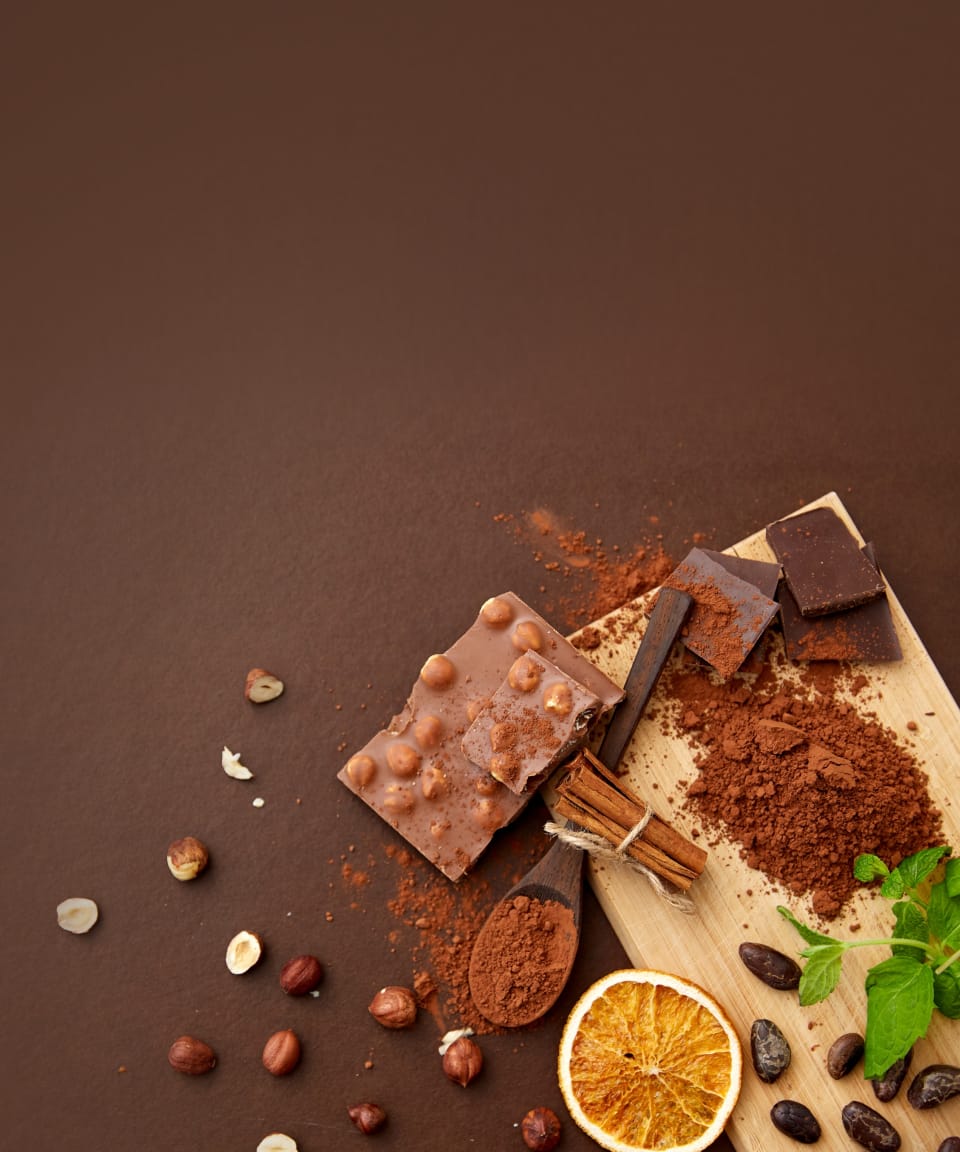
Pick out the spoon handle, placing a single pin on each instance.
(662, 629)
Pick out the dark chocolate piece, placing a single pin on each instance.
(414, 773)
(762, 574)
(865, 634)
(822, 563)
(728, 614)
(537, 717)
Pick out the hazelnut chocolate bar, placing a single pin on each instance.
(414, 773)
(537, 717)
(822, 563)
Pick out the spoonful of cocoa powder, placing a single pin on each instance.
(524, 952)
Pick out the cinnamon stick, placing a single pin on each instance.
(594, 797)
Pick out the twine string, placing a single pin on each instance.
(598, 846)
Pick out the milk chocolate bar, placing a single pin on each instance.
(728, 615)
(822, 563)
(414, 773)
(536, 718)
(865, 634)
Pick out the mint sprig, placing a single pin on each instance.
(922, 973)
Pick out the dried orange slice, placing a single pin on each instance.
(648, 1060)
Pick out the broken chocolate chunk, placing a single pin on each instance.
(537, 717)
(728, 615)
(414, 773)
(822, 563)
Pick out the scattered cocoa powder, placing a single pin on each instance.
(797, 774)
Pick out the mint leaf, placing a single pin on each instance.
(952, 876)
(943, 916)
(893, 887)
(946, 992)
(911, 924)
(821, 973)
(899, 1007)
(808, 934)
(868, 867)
(916, 868)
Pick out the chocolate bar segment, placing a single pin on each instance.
(822, 563)
(728, 615)
(865, 634)
(414, 773)
(536, 718)
(762, 574)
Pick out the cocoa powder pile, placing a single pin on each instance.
(798, 775)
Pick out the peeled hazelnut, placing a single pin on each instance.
(262, 686)
(277, 1142)
(243, 952)
(463, 1061)
(187, 857)
(540, 1129)
(438, 672)
(369, 1118)
(524, 674)
(78, 914)
(433, 781)
(361, 769)
(301, 975)
(402, 759)
(281, 1053)
(189, 1055)
(496, 612)
(428, 731)
(527, 635)
(558, 699)
(393, 1007)
(230, 762)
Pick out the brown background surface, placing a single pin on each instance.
(296, 300)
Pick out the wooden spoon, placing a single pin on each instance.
(558, 875)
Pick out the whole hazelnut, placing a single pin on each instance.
(540, 1129)
(189, 1055)
(393, 1007)
(301, 975)
(187, 857)
(369, 1118)
(463, 1061)
(281, 1053)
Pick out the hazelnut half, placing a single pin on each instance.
(277, 1142)
(463, 1061)
(243, 952)
(540, 1129)
(191, 1056)
(281, 1053)
(78, 914)
(262, 686)
(369, 1118)
(187, 857)
(301, 975)
(393, 1007)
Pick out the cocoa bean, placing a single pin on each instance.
(844, 1055)
(934, 1084)
(888, 1085)
(772, 967)
(795, 1120)
(769, 1050)
(951, 1144)
(865, 1125)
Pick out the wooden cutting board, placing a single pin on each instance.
(733, 903)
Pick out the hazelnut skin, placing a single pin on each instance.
(187, 857)
(394, 1007)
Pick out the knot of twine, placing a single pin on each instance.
(598, 846)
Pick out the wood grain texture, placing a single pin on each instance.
(734, 903)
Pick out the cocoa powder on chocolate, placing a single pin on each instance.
(798, 774)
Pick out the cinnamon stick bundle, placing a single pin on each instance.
(590, 795)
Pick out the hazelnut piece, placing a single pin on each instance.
(438, 672)
(262, 686)
(243, 952)
(369, 1118)
(187, 857)
(463, 1061)
(277, 1142)
(540, 1129)
(281, 1053)
(496, 612)
(301, 975)
(191, 1056)
(78, 914)
(394, 1007)
(527, 635)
